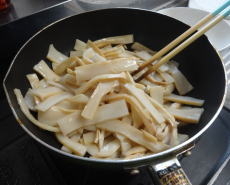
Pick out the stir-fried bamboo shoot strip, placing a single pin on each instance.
(108, 149)
(127, 120)
(89, 137)
(62, 67)
(155, 80)
(43, 69)
(76, 137)
(124, 142)
(163, 68)
(168, 89)
(77, 148)
(54, 55)
(30, 100)
(100, 78)
(143, 55)
(166, 77)
(182, 137)
(140, 95)
(87, 72)
(184, 100)
(137, 121)
(53, 100)
(164, 112)
(105, 112)
(188, 115)
(157, 93)
(140, 47)
(92, 149)
(43, 93)
(101, 139)
(27, 113)
(80, 45)
(149, 136)
(135, 150)
(92, 57)
(182, 84)
(94, 105)
(124, 39)
(34, 80)
(132, 133)
(51, 116)
(101, 90)
(139, 109)
(95, 48)
(60, 86)
(65, 149)
(173, 137)
(77, 54)
(79, 98)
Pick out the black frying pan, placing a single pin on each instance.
(199, 62)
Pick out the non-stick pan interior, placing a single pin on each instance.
(199, 62)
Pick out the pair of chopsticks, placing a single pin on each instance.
(166, 57)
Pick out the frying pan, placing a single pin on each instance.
(199, 62)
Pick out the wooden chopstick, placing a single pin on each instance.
(180, 39)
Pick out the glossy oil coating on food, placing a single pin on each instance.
(95, 108)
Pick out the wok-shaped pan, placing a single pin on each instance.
(199, 62)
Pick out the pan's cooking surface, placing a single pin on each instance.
(199, 63)
(199, 166)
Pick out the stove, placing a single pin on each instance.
(23, 161)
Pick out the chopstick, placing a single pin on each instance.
(179, 39)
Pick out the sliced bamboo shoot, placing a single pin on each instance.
(93, 57)
(65, 149)
(124, 142)
(132, 133)
(144, 55)
(135, 150)
(80, 98)
(105, 112)
(89, 137)
(140, 95)
(61, 67)
(184, 100)
(87, 72)
(145, 116)
(77, 54)
(166, 77)
(43, 69)
(101, 90)
(30, 100)
(53, 100)
(43, 93)
(100, 78)
(108, 149)
(27, 113)
(124, 39)
(51, 116)
(140, 47)
(77, 148)
(80, 45)
(183, 86)
(33, 79)
(188, 115)
(157, 93)
(164, 112)
(54, 55)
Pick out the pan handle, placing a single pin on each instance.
(169, 173)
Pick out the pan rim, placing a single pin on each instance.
(152, 157)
